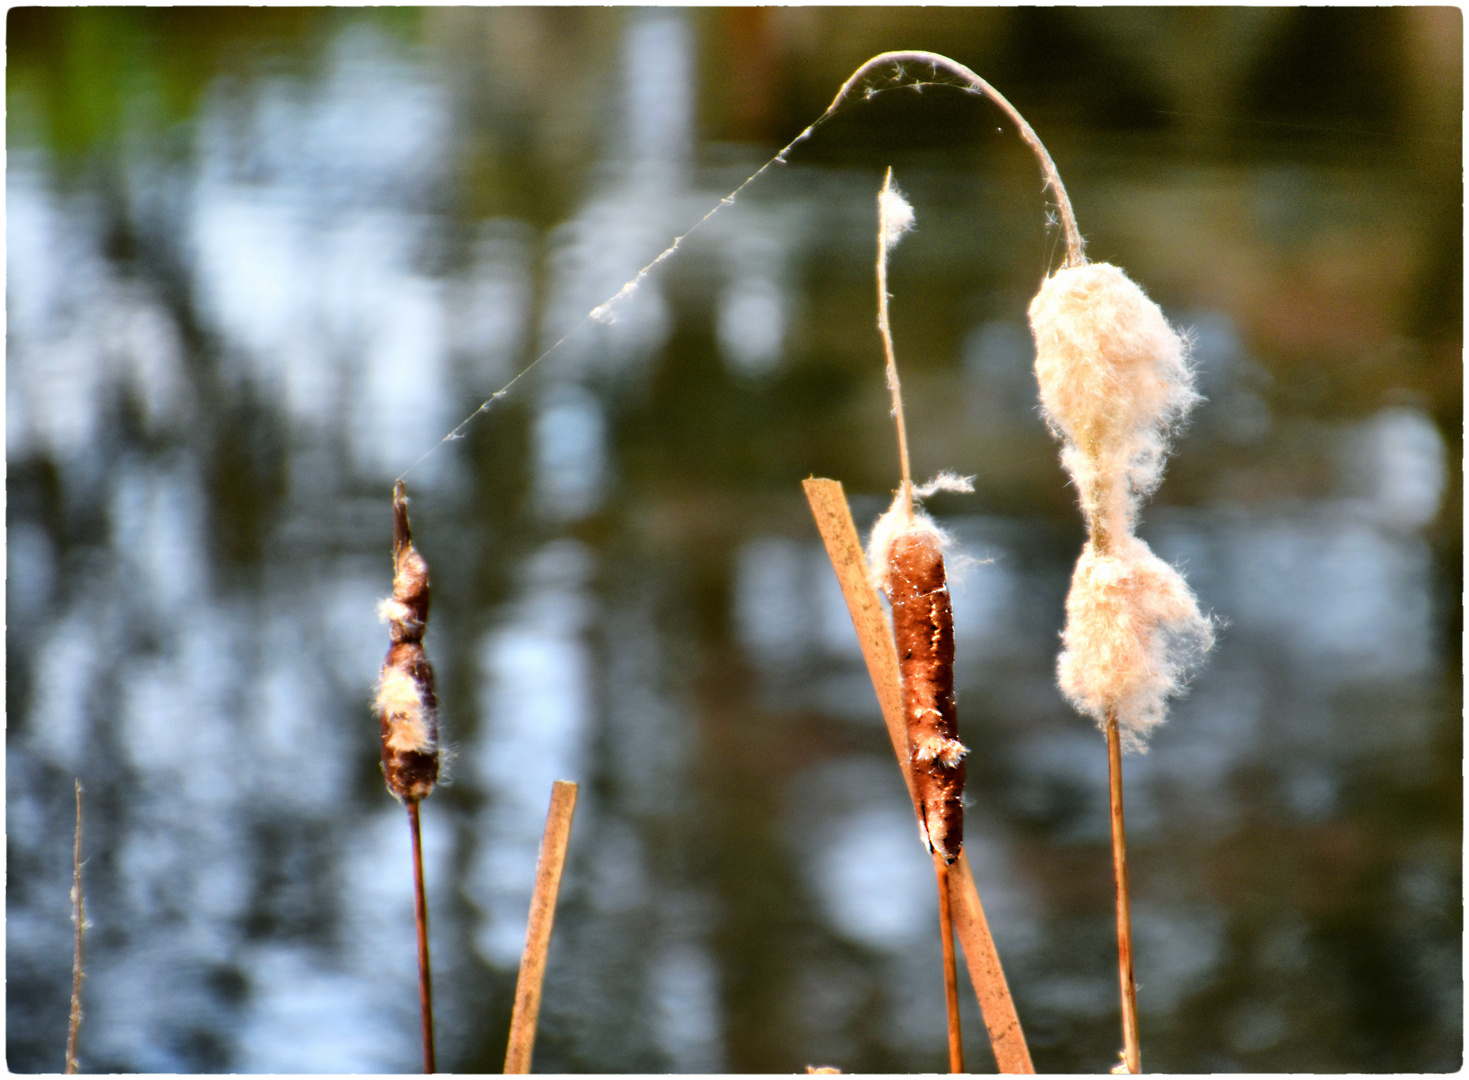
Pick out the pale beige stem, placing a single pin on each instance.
(1131, 1050)
(74, 1026)
(885, 328)
(875, 637)
(951, 973)
(538, 932)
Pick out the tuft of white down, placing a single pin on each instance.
(894, 213)
(895, 521)
(391, 610)
(948, 752)
(398, 699)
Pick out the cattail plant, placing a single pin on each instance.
(407, 709)
(1114, 380)
(907, 558)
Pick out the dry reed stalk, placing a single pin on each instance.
(408, 709)
(874, 637)
(538, 931)
(78, 915)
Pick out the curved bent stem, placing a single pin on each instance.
(1074, 244)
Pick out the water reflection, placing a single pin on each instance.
(219, 355)
(535, 671)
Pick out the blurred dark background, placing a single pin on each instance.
(261, 260)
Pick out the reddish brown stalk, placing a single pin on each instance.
(951, 972)
(420, 916)
(874, 636)
(538, 930)
(1131, 1049)
(79, 917)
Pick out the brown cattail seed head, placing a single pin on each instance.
(1114, 378)
(406, 702)
(923, 626)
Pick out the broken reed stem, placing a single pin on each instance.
(420, 918)
(951, 973)
(74, 1026)
(538, 931)
(874, 636)
(1131, 1048)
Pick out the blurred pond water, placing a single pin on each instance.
(260, 263)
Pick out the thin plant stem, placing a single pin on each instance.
(951, 971)
(420, 914)
(884, 327)
(874, 637)
(79, 917)
(538, 931)
(1131, 1050)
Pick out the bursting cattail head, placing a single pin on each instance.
(923, 631)
(906, 556)
(407, 704)
(1114, 381)
(1133, 629)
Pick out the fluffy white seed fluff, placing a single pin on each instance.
(1114, 380)
(945, 481)
(894, 213)
(948, 751)
(1113, 375)
(392, 610)
(398, 699)
(1133, 628)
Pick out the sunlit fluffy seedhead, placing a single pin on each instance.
(1114, 381)
(1114, 377)
(1133, 628)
